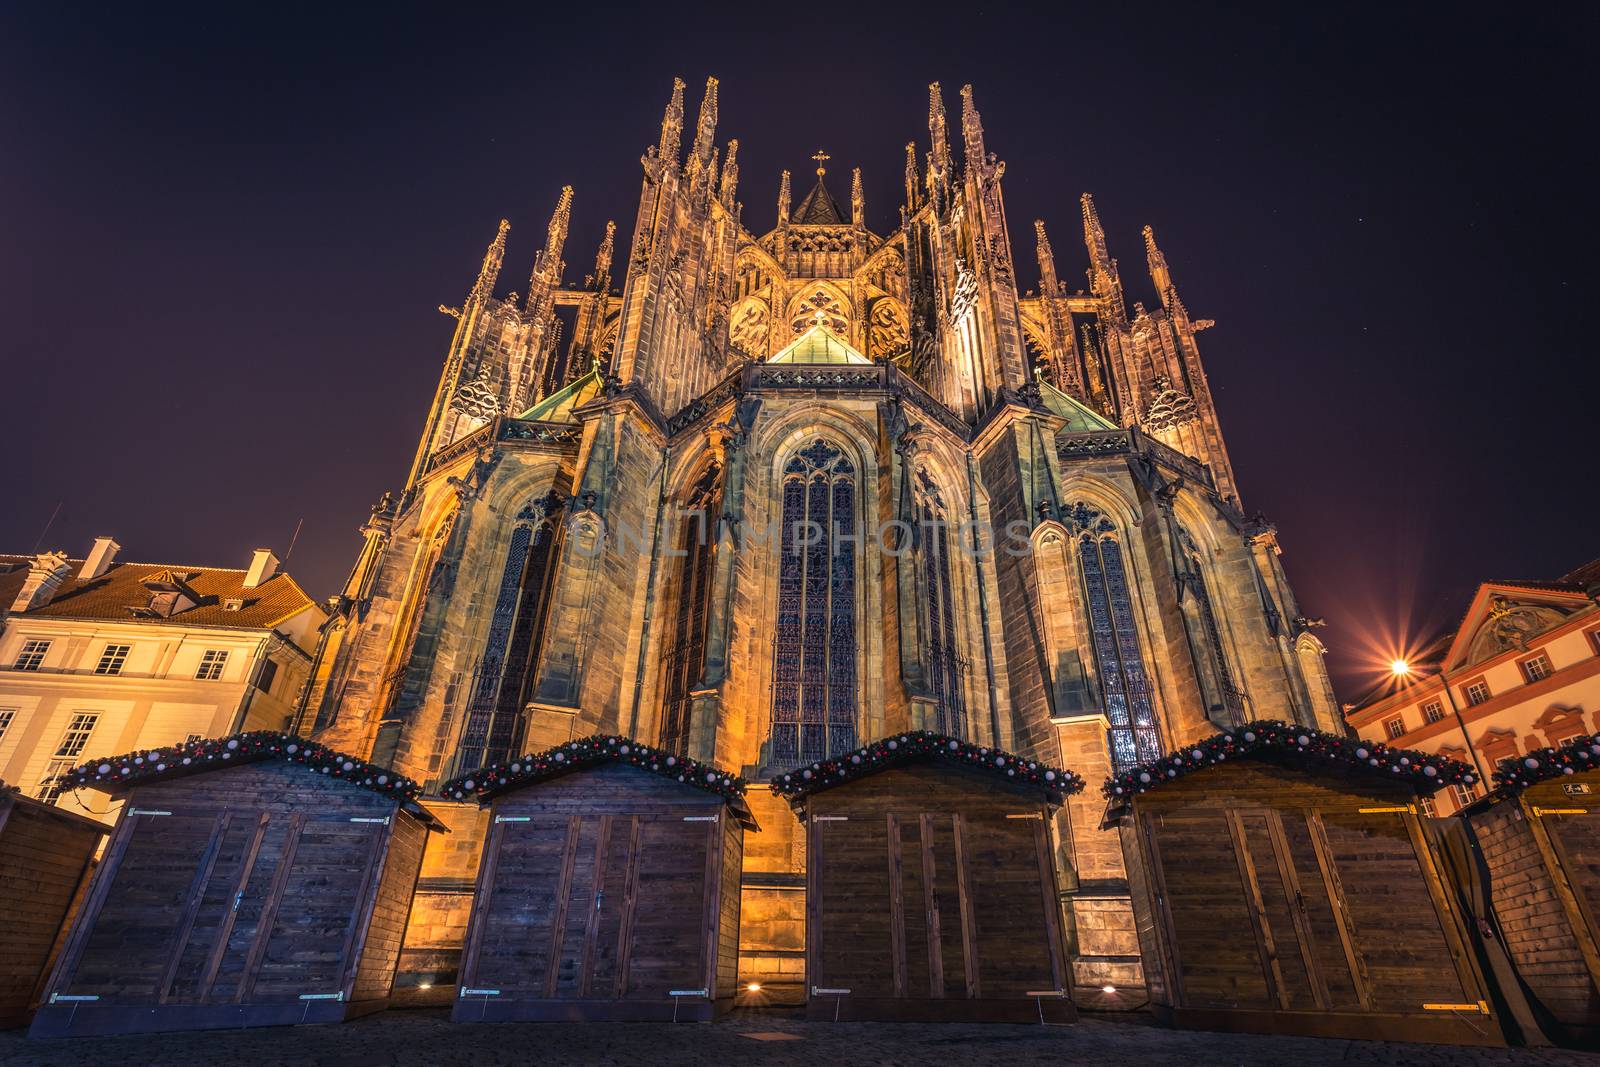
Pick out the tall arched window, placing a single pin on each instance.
(1224, 702)
(1124, 683)
(941, 654)
(492, 729)
(685, 654)
(814, 670)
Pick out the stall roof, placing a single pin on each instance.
(919, 746)
(587, 753)
(115, 774)
(1295, 746)
(1516, 773)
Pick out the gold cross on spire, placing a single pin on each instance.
(821, 157)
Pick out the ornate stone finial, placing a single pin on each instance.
(602, 259)
(672, 126)
(1159, 274)
(783, 199)
(547, 265)
(936, 128)
(1047, 260)
(858, 202)
(730, 173)
(1094, 235)
(489, 272)
(821, 157)
(706, 127)
(971, 128)
(911, 175)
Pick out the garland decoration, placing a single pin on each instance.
(589, 752)
(1516, 773)
(1300, 746)
(923, 745)
(214, 753)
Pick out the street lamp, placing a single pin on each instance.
(1401, 669)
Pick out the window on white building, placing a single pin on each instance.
(32, 655)
(1429, 808)
(77, 735)
(66, 757)
(1432, 711)
(6, 715)
(1394, 727)
(1477, 692)
(112, 659)
(1536, 668)
(1463, 794)
(211, 664)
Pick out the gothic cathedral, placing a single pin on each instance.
(761, 497)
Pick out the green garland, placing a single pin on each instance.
(1299, 745)
(214, 753)
(1516, 773)
(485, 782)
(923, 745)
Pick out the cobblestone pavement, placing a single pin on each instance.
(743, 1038)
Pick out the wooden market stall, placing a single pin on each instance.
(1539, 835)
(45, 854)
(251, 880)
(930, 882)
(608, 888)
(1282, 882)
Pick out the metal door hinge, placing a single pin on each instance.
(466, 992)
(513, 818)
(1480, 1008)
(147, 811)
(830, 818)
(687, 993)
(362, 818)
(322, 996)
(1028, 815)
(700, 818)
(56, 998)
(1560, 811)
(1401, 809)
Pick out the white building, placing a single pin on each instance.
(99, 657)
(1521, 672)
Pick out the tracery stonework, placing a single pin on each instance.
(732, 514)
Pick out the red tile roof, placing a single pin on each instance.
(114, 593)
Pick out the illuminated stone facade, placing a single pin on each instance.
(596, 531)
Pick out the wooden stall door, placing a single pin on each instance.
(595, 907)
(1283, 901)
(854, 862)
(1210, 923)
(1014, 912)
(1407, 957)
(1575, 837)
(313, 919)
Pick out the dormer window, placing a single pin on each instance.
(170, 594)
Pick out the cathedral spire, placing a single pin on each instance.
(547, 266)
(858, 202)
(602, 259)
(706, 128)
(911, 176)
(1094, 235)
(783, 199)
(1159, 274)
(1103, 279)
(489, 273)
(936, 128)
(730, 174)
(1048, 284)
(672, 125)
(971, 128)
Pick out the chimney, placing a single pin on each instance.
(100, 558)
(45, 575)
(263, 565)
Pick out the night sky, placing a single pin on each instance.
(225, 236)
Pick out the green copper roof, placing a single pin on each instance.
(1080, 419)
(557, 407)
(819, 345)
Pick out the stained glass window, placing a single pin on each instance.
(944, 662)
(814, 670)
(1232, 698)
(1124, 683)
(684, 662)
(494, 714)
